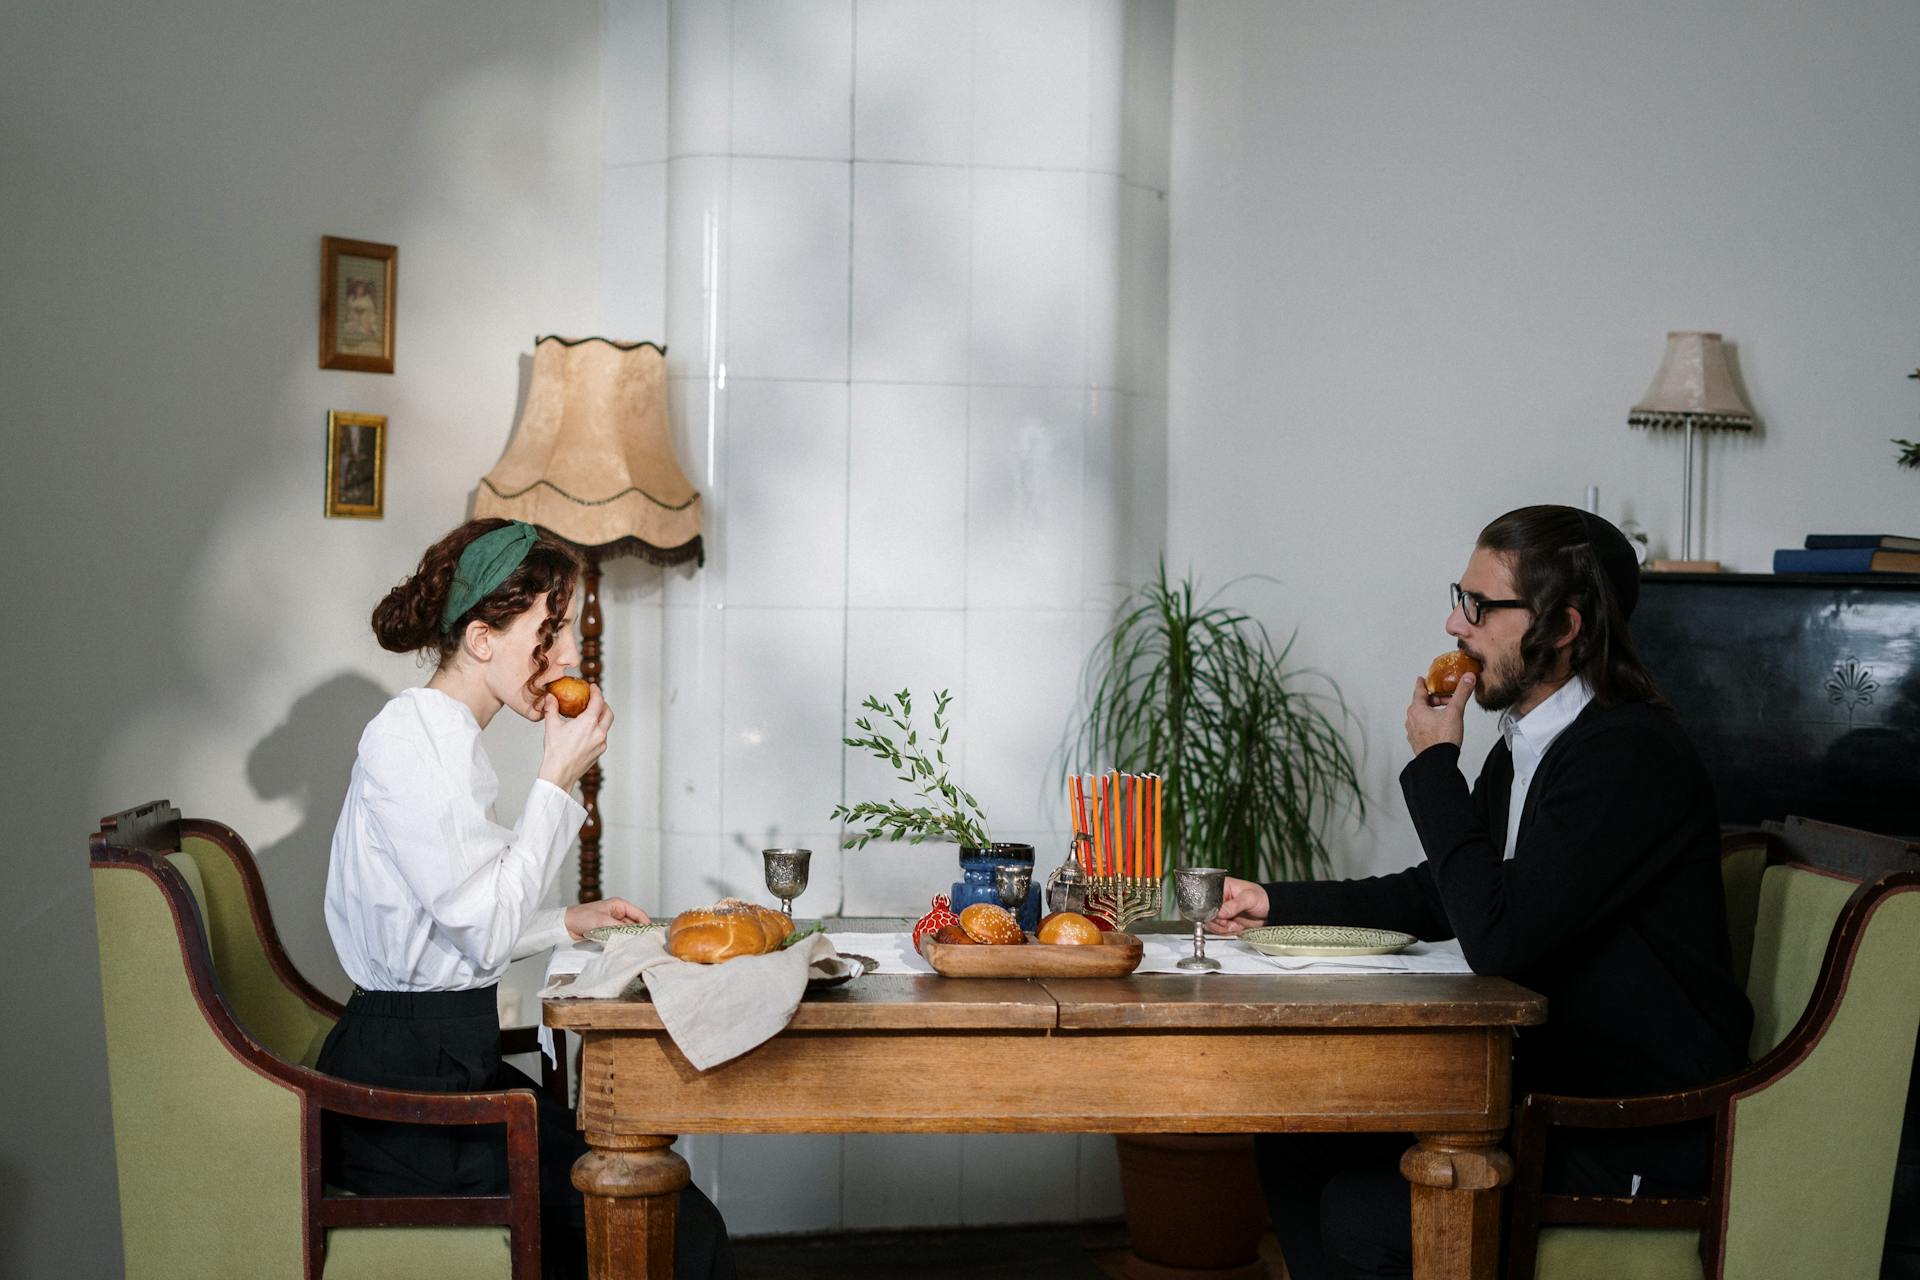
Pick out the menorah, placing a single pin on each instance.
(1120, 900)
(1117, 840)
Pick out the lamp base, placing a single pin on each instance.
(1683, 566)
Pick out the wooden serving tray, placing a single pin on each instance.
(1117, 956)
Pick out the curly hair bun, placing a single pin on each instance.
(408, 619)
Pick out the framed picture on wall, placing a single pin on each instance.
(356, 304)
(356, 465)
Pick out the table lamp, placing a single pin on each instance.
(1694, 388)
(591, 462)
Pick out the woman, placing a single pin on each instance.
(429, 900)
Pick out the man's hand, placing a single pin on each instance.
(1429, 725)
(1243, 906)
(583, 916)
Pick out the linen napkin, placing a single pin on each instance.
(713, 1012)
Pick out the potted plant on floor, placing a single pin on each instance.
(1257, 764)
(940, 809)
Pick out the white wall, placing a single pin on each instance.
(910, 254)
(182, 620)
(1424, 259)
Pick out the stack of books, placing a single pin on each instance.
(1851, 553)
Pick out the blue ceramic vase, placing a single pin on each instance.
(976, 880)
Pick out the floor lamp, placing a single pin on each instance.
(1694, 388)
(592, 462)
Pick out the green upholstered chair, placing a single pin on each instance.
(277, 1005)
(217, 1134)
(1804, 1139)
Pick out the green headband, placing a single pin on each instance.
(488, 561)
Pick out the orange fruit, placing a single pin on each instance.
(572, 694)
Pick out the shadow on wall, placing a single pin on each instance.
(308, 759)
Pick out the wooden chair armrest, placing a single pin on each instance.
(514, 1108)
(1532, 1207)
(518, 1209)
(1645, 1112)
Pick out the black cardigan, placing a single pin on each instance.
(1611, 907)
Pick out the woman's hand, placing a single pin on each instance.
(573, 744)
(1243, 906)
(598, 915)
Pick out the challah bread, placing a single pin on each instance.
(993, 925)
(728, 928)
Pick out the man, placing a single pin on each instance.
(1583, 864)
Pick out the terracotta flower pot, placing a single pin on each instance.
(1194, 1206)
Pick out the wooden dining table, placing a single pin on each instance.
(1427, 1055)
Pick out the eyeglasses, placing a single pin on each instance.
(1473, 607)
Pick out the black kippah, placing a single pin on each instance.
(1617, 560)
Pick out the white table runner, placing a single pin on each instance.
(895, 954)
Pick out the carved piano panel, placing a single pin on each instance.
(1801, 693)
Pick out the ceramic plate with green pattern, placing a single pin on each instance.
(606, 931)
(1325, 940)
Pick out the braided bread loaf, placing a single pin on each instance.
(728, 928)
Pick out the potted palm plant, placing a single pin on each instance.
(1256, 765)
(1254, 755)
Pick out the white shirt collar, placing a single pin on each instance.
(1530, 735)
(1528, 738)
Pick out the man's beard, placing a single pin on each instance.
(1501, 683)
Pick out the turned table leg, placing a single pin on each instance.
(1456, 1181)
(631, 1182)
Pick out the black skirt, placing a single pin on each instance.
(449, 1042)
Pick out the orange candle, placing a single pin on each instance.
(1133, 824)
(1093, 827)
(1073, 812)
(1158, 814)
(1106, 822)
(1113, 827)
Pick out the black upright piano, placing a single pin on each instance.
(1802, 695)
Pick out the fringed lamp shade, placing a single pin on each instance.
(592, 460)
(1694, 385)
(592, 463)
(1694, 388)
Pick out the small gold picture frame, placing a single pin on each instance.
(356, 304)
(356, 465)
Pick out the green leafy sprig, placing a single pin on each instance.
(818, 926)
(1909, 453)
(944, 811)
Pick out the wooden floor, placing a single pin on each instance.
(1073, 1251)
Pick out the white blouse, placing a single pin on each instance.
(425, 892)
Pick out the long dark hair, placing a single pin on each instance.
(408, 620)
(1555, 567)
